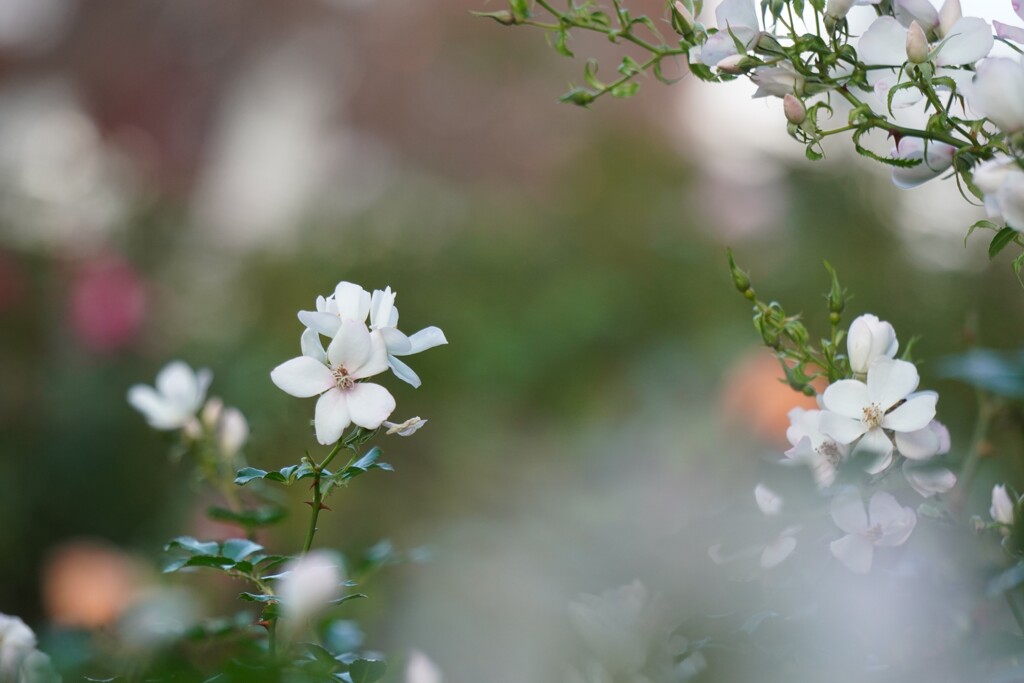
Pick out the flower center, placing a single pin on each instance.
(342, 378)
(873, 415)
(830, 451)
(874, 532)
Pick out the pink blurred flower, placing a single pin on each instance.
(108, 304)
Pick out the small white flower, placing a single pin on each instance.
(936, 158)
(995, 93)
(777, 81)
(869, 339)
(884, 523)
(308, 584)
(1001, 180)
(17, 642)
(421, 669)
(1002, 505)
(174, 402)
(857, 410)
(768, 501)
(737, 20)
(354, 354)
(812, 447)
(384, 319)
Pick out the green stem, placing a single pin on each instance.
(317, 503)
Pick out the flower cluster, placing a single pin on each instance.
(354, 353)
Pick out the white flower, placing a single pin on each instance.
(928, 480)
(869, 339)
(857, 410)
(179, 393)
(1002, 505)
(777, 80)
(308, 584)
(228, 425)
(736, 18)
(1001, 180)
(995, 93)
(421, 669)
(17, 642)
(936, 158)
(812, 447)
(884, 523)
(617, 627)
(348, 302)
(354, 354)
(384, 318)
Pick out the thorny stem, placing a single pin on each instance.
(317, 501)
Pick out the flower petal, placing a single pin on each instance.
(352, 301)
(921, 11)
(915, 414)
(736, 14)
(841, 428)
(377, 362)
(878, 445)
(919, 444)
(969, 40)
(382, 308)
(351, 347)
(396, 342)
(427, 338)
(302, 377)
(159, 413)
(890, 381)
(331, 417)
(179, 385)
(1008, 32)
(326, 324)
(404, 372)
(312, 347)
(848, 511)
(777, 551)
(928, 480)
(369, 404)
(848, 398)
(855, 551)
(884, 43)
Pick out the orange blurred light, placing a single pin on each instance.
(88, 584)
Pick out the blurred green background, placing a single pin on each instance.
(177, 180)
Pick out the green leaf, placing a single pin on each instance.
(999, 242)
(193, 546)
(239, 548)
(629, 66)
(558, 40)
(590, 75)
(366, 670)
(625, 90)
(520, 9)
(247, 474)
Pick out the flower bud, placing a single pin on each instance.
(308, 584)
(794, 109)
(731, 64)
(868, 340)
(232, 432)
(740, 279)
(949, 15)
(210, 415)
(837, 9)
(1002, 505)
(917, 44)
(683, 16)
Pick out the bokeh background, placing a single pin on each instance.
(178, 179)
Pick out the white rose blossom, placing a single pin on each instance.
(995, 93)
(1001, 180)
(177, 397)
(869, 339)
(884, 523)
(856, 410)
(820, 452)
(777, 81)
(354, 354)
(1002, 505)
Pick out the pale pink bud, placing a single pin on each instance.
(794, 109)
(1002, 505)
(685, 15)
(949, 15)
(731, 64)
(917, 44)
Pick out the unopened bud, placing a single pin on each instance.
(794, 109)
(837, 9)
(917, 44)
(740, 279)
(731, 64)
(503, 17)
(949, 15)
(683, 16)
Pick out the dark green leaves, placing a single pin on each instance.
(237, 554)
(286, 475)
(999, 242)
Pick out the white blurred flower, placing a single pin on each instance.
(928, 480)
(777, 80)
(812, 447)
(174, 402)
(737, 21)
(1002, 505)
(421, 669)
(857, 410)
(228, 426)
(995, 93)
(936, 158)
(1001, 180)
(869, 339)
(769, 502)
(781, 547)
(384, 318)
(308, 584)
(884, 523)
(17, 642)
(354, 354)
(617, 627)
